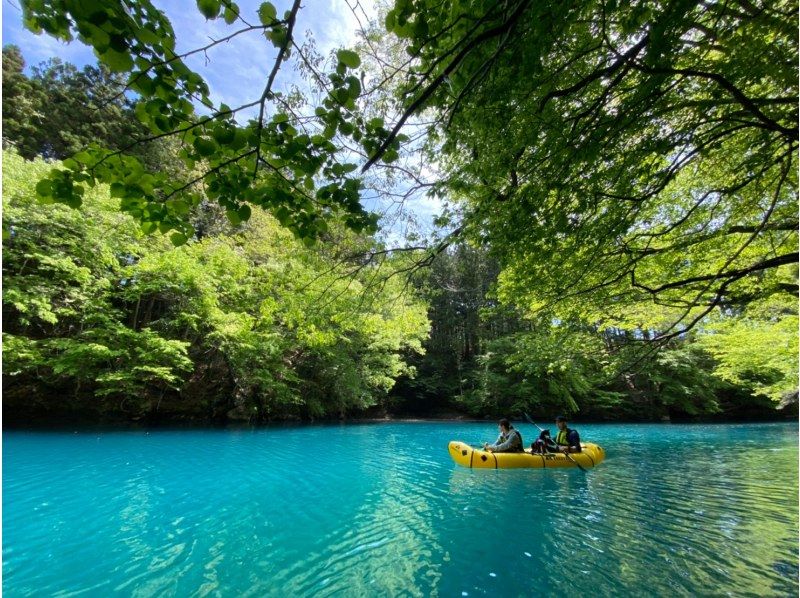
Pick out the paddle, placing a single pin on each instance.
(567, 454)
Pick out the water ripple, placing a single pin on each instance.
(381, 510)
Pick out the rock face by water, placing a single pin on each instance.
(241, 412)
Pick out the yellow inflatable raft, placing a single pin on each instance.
(465, 455)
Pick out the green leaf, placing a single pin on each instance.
(239, 139)
(147, 35)
(118, 43)
(348, 58)
(44, 188)
(161, 123)
(353, 87)
(73, 200)
(71, 164)
(141, 83)
(117, 189)
(204, 146)
(224, 134)
(283, 215)
(233, 217)
(278, 36)
(179, 206)
(117, 62)
(244, 213)
(267, 13)
(391, 20)
(148, 227)
(98, 17)
(178, 239)
(231, 12)
(209, 8)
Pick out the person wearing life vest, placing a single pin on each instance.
(509, 441)
(567, 439)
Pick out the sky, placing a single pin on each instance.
(235, 71)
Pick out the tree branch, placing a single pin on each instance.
(271, 79)
(781, 260)
(428, 92)
(737, 93)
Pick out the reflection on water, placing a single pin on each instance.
(381, 510)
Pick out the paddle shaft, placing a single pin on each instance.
(567, 453)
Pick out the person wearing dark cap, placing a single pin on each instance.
(567, 439)
(509, 441)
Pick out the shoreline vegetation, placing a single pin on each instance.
(64, 421)
(164, 262)
(124, 327)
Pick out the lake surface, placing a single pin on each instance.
(381, 510)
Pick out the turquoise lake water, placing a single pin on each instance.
(381, 510)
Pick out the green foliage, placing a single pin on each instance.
(267, 13)
(632, 168)
(292, 171)
(757, 349)
(682, 381)
(485, 358)
(552, 369)
(59, 110)
(349, 58)
(626, 174)
(60, 267)
(616, 156)
(22, 102)
(94, 306)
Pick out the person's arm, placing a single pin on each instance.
(574, 441)
(500, 447)
(493, 447)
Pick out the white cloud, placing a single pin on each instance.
(39, 48)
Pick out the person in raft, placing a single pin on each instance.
(509, 441)
(567, 439)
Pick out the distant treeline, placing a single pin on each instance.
(486, 359)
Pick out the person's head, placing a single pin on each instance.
(504, 424)
(561, 422)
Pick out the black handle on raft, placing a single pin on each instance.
(528, 417)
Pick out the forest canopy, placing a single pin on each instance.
(614, 154)
(620, 179)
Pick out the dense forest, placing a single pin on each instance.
(619, 237)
